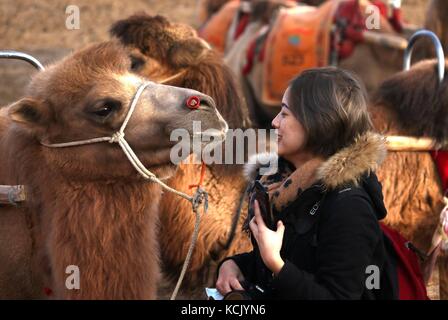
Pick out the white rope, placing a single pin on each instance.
(196, 200)
(76, 143)
(194, 239)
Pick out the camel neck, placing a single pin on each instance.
(109, 232)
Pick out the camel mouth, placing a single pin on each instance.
(224, 129)
(212, 136)
(211, 139)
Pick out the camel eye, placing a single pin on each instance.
(104, 112)
(136, 63)
(104, 108)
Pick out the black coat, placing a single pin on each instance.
(326, 252)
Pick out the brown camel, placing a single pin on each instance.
(172, 53)
(86, 205)
(412, 103)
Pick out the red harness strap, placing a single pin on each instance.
(242, 24)
(396, 20)
(201, 179)
(256, 50)
(351, 24)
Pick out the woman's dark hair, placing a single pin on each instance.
(331, 105)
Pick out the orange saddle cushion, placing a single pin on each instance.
(215, 30)
(299, 40)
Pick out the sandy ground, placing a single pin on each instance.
(38, 28)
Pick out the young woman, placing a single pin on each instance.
(325, 197)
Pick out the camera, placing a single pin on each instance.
(261, 195)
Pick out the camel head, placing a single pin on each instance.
(158, 49)
(416, 102)
(88, 95)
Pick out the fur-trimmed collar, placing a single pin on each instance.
(346, 166)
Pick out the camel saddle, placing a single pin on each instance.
(304, 37)
(299, 40)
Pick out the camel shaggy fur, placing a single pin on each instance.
(86, 205)
(413, 103)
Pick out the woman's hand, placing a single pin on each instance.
(269, 242)
(229, 277)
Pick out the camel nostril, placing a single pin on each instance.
(208, 103)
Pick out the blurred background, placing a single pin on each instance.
(38, 28)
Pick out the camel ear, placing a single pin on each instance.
(30, 112)
(185, 53)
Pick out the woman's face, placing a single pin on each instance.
(291, 134)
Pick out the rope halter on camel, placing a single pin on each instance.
(200, 196)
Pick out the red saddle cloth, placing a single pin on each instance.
(441, 160)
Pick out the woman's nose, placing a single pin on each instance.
(275, 123)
